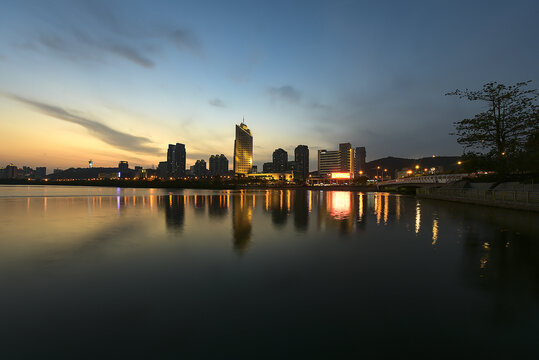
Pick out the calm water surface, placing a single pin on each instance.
(157, 274)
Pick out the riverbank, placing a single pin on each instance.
(505, 195)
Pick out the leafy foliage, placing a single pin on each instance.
(500, 134)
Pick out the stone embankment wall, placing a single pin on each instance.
(508, 195)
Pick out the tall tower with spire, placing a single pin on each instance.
(243, 149)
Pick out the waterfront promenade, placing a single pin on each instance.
(507, 196)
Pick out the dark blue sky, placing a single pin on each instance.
(133, 76)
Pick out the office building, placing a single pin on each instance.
(280, 160)
(328, 162)
(301, 157)
(347, 158)
(218, 165)
(360, 160)
(123, 168)
(243, 150)
(176, 157)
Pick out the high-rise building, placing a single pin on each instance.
(176, 157)
(347, 157)
(280, 160)
(123, 168)
(328, 162)
(301, 157)
(243, 150)
(360, 159)
(199, 169)
(341, 160)
(218, 165)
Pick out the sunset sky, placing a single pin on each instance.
(119, 80)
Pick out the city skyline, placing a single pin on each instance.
(108, 84)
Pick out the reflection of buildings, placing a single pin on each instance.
(218, 205)
(301, 209)
(174, 210)
(280, 205)
(242, 217)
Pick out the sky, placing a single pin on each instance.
(121, 79)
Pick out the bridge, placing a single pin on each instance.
(421, 181)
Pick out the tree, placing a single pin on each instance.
(507, 124)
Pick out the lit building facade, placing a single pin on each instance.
(328, 162)
(347, 157)
(243, 150)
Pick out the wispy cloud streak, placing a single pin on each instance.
(118, 139)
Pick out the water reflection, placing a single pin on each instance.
(132, 260)
(242, 217)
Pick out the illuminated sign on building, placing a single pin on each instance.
(340, 175)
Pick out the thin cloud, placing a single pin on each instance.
(286, 93)
(131, 54)
(103, 132)
(217, 102)
(115, 36)
(186, 39)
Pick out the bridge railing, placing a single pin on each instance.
(429, 179)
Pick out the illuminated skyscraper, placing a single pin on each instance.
(347, 158)
(243, 150)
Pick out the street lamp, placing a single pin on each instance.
(377, 168)
(385, 170)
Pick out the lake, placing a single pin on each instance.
(88, 272)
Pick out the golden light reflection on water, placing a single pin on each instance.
(398, 208)
(386, 207)
(360, 210)
(434, 231)
(340, 205)
(417, 217)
